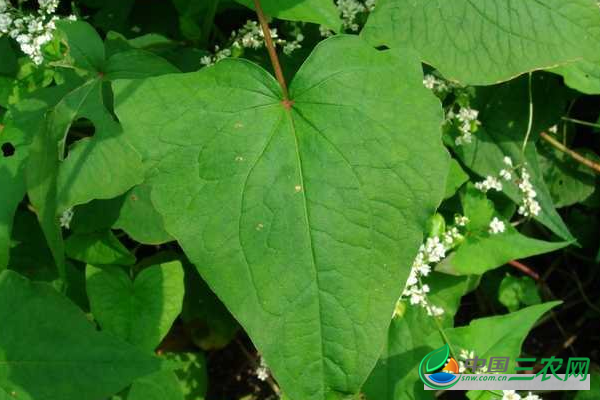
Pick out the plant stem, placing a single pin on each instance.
(576, 156)
(580, 122)
(272, 53)
(525, 269)
(530, 122)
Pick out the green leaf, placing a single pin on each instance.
(193, 377)
(41, 173)
(85, 47)
(49, 349)
(456, 178)
(477, 208)
(316, 11)
(396, 374)
(483, 251)
(504, 117)
(99, 167)
(98, 248)
(515, 291)
(583, 76)
(139, 218)
(569, 182)
(258, 196)
(140, 311)
(495, 336)
(481, 42)
(134, 64)
(21, 123)
(159, 386)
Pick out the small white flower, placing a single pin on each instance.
(66, 217)
(510, 395)
(461, 220)
(505, 174)
(5, 22)
(489, 183)
(429, 81)
(262, 371)
(497, 226)
(507, 161)
(531, 396)
(553, 129)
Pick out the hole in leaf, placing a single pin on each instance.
(8, 149)
(80, 129)
(382, 47)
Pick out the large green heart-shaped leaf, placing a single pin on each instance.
(481, 42)
(49, 349)
(304, 220)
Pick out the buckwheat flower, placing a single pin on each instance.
(434, 250)
(489, 183)
(505, 174)
(3, 6)
(349, 10)
(66, 217)
(429, 81)
(370, 5)
(262, 371)
(531, 396)
(434, 311)
(510, 395)
(466, 114)
(461, 220)
(553, 129)
(529, 205)
(507, 161)
(5, 23)
(496, 226)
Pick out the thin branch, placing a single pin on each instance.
(272, 53)
(576, 156)
(580, 122)
(525, 269)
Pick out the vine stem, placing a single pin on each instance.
(530, 121)
(576, 156)
(273, 53)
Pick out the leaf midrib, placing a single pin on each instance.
(288, 112)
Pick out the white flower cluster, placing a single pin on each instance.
(496, 226)
(467, 122)
(349, 11)
(32, 32)
(66, 217)
(529, 205)
(431, 252)
(490, 182)
(262, 371)
(251, 36)
(465, 355)
(438, 85)
(512, 395)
